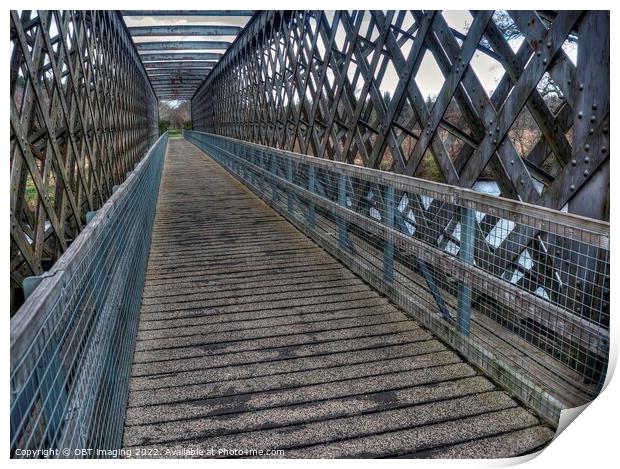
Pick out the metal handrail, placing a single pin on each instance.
(529, 307)
(72, 340)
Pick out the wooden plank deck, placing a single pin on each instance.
(253, 338)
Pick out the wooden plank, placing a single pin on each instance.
(264, 369)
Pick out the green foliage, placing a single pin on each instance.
(163, 126)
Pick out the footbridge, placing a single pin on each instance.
(360, 249)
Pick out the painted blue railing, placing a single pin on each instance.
(520, 290)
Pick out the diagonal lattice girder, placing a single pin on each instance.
(313, 82)
(347, 86)
(83, 113)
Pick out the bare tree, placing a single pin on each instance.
(175, 112)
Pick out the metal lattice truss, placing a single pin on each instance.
(315, 83)
(83, 113)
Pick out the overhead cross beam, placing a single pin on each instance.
(180, 66)
(181, 45)
(207, 30)
(179, 56)
(179, 77)
(187, 12)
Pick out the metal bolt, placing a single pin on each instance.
(512, 162)
(573, 162)
(572, 187)
(580, 115)
(581, 87)
(593, 119)
(603, 150)
(586, 173)
(594, 106)
(586, 160)
(586, 147)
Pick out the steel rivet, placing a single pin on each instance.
(603, 150)
(593, 119)
(573, 162)
(586, 173)
(586, 160)
(572, 187)
(580, 115)
(586, 147)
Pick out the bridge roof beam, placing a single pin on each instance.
(158, 57)
(183, 77)
(204, 30)
(181, 45)
(180, 64)
(168, 84)
(187, 12)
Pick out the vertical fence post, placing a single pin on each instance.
(274, 171)
(311, 182)
(342, 201)
(388, 249)
(466, 254)
(261, 163)
(289, 177)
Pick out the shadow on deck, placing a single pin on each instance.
(251, 337)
